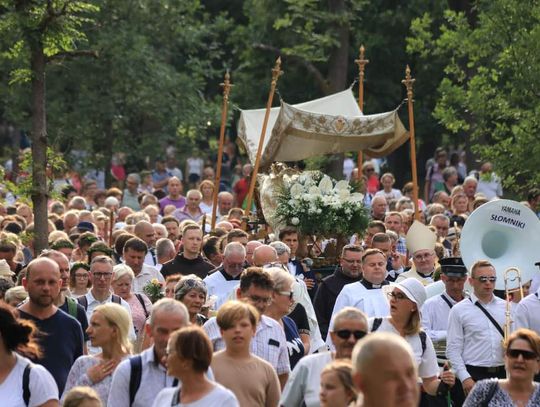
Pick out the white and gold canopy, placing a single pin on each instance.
(329, 125)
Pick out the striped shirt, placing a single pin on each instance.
(269, 342)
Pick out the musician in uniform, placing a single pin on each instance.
(421, 243)
(436, 309)
(475, 330)
(527, 312)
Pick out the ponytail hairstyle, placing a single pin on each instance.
(17, 334)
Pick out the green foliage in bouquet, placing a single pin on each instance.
(154, 290)
(318, 205)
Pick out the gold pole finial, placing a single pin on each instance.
(361, 62)
(276, 71)
(408, 81)
(226, 85)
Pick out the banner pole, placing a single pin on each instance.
(226, 89)
(408, 83)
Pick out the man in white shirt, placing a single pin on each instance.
(304, 384)
(366, 294)
(167, 316)
(475, 341)
(226, 277)
(145, 231)
(527, 313)
(101, 272)
(134, 251)
(436, 309)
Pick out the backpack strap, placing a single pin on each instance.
(141, 300)
(491, 392)
(26, 383)
(72, 307)
(423, 339)
(116, 299)
(83, 301)
(134, 377)
(376, 324)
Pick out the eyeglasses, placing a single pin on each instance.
(262, 300)
(485, 279)
(105, 276)
(527, 355)
(81, 275)
(420, 257)
(289, 294)
(397, 296)
(350, 261)
(235, 265)
(346, 334)
(370, 169)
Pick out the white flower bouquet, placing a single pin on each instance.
(318, 205)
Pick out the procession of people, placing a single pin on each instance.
(158, 308)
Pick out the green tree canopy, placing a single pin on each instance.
(489, 91)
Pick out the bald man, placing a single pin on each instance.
(384, 372)
(62, 339)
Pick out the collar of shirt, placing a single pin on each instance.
(371, 286)
(430, 275)
(149, 357)
(227, 276)
(474, 298)
(91, 299)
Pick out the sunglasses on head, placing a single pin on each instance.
(527, 354)
(346, 334)
(485, 279)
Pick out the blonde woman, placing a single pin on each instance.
(109, 329)
(337, 389)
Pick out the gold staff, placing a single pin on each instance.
(276, 72)
(226, 89)
(408, 82)
(361, 62)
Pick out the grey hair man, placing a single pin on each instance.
(384, 371)
(303, 386)
(165, 250)
(226, 277)
(167, 316)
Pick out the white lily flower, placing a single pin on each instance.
(314, 190)
(326, 186)
(341, 185)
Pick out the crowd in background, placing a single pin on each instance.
(244, 319)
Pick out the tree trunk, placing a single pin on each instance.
(40, 192)
(337, 72)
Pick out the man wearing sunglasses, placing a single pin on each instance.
(366, 294)
(303, 386)
(475, 330)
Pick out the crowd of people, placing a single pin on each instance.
(157, 308)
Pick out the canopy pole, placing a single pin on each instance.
(226, 89)
(408, 83)
(276, 72)
(361, 62)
